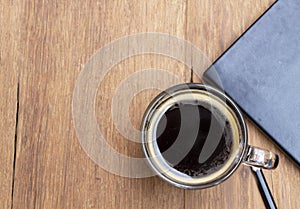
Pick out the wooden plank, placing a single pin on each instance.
(59, 37)
(214, 25)
(9, 22)
(8, 111)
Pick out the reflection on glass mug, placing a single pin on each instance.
(195, 137)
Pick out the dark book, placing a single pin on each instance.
(261, 73)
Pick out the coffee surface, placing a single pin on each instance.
(209, 131)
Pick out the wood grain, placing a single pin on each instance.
(56, 38)
(9, 23)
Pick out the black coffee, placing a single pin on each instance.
(199, 139)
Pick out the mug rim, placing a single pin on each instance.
(229, 103)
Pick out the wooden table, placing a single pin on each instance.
(43, 47)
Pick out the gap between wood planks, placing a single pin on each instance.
(15, 145)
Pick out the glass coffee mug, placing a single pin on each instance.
(195, 137)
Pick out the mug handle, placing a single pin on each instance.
(260, 158)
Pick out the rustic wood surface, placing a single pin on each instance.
(43, 47)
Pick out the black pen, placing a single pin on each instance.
(263, 188)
